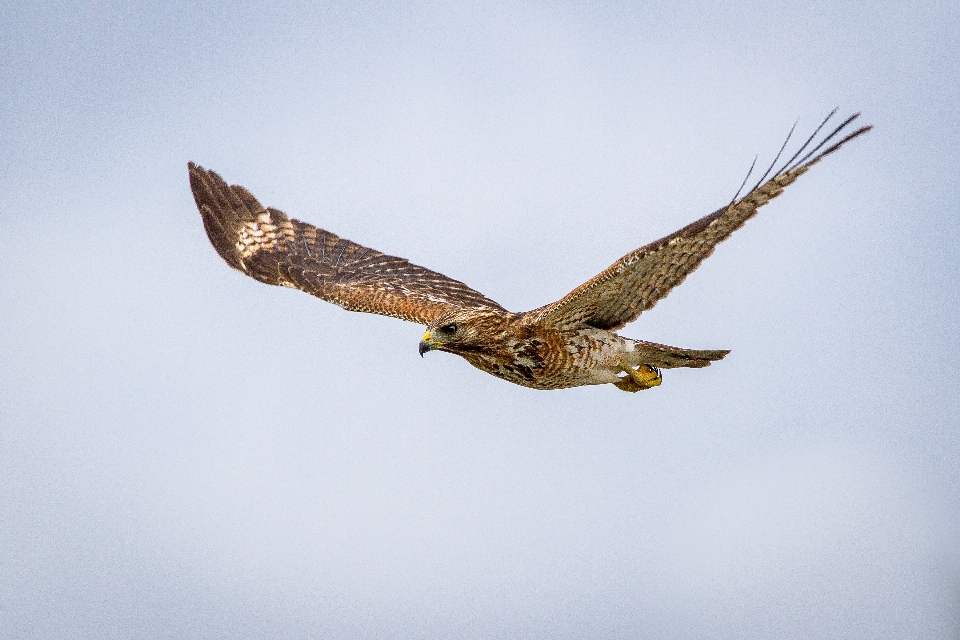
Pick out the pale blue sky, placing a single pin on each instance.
(186, 453)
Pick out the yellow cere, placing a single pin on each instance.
(426, 337)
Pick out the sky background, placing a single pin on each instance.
(187, 453)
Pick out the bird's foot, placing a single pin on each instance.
(643, 377)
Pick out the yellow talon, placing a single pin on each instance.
(643, 377)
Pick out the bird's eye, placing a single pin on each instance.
(449, 328)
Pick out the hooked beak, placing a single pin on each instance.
(426, 344)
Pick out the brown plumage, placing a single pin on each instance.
(567, 343)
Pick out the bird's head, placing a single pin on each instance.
(462, 330)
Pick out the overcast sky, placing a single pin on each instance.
(187, 453)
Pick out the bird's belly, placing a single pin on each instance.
(569, 361)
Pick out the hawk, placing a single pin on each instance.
(567, 343)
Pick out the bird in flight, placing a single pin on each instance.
(567, 343)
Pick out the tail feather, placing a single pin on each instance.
(667, 357)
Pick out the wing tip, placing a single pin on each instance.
(815, 154)
(847, 138)
(218, 206)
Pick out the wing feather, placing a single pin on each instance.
(638, 280)
(267, 245)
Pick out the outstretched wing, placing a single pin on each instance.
(269, 246)
(638, 280)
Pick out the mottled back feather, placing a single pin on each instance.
(638, 280)
(267, 245)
